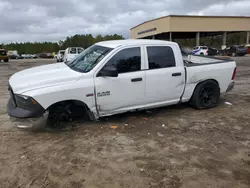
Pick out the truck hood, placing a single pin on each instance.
(42, 76)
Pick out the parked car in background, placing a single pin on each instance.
(71, 53)
(27, 56)
(248, 48)
(235, 50)
(200, 50)
(34, 56)
(45, 55)
(59, 55)
(3, 55)
(212, 51)
(14, 56)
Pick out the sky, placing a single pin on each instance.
(54, 20)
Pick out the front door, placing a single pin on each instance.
(122, 93)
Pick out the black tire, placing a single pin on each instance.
(63, 113)
(6, 60)
(206, 95)
(202, 53)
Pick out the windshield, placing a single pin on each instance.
(89, 58)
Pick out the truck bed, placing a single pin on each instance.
(200, 68)
(195, 60)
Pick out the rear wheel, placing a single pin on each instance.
(206, 95)
(6, 60)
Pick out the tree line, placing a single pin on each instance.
(87, 40)
(49, 47)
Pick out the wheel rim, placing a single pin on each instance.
(207, 96)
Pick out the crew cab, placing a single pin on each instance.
(113, 77)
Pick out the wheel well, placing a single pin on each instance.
(213, 80)
(78, 108)
(74, 102)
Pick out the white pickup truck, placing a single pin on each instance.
(114, 77)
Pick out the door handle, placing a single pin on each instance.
(176, 74)
(136, 79)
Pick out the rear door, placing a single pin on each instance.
(118, 94)
(165, 77)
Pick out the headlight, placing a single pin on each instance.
(26, 102)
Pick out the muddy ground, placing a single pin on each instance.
(173, 147)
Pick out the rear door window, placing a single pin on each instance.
(160, 57)
(72, 50)
(79, 50)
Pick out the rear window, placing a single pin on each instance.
(79, 50)
(160, 57)
(72, 50)
(3, 52)
(204, 48)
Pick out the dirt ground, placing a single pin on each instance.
(173, 147)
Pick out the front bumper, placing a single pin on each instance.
(30, 123)
(27, 119)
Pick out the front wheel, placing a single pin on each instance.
(6, 60)
(206, 95)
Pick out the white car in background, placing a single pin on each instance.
(59, 55)
(71, 53)
(200, 50)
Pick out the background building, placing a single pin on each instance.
(182, 27)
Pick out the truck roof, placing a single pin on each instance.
(131, 42)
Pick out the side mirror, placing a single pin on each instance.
(108, 72)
